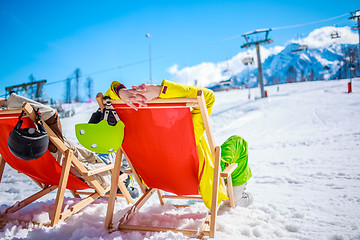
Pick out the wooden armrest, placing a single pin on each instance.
(228, 170)
(128, 171)
(100, 170)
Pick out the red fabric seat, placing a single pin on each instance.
(44, 169)
(160, 143)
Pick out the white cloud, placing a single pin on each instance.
(207, 73)
(321, 37)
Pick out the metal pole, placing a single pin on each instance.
(150, 67)
(260, 71)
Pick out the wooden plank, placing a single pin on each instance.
(99, 170)
(52, 136)
(93, 182)
(230, 191)
(183, 197)
(42, 186)
(160, 195)
(62, 185)
(30, 199)
(157, 229)
(2, 166)
(100, 100)
(143, 188)
(75, 194)
(136, 207)
(161, 100)
(124, 190)
(157, 107)
(78, 206)
(114, 184)
(6, 112)
(215, 191)
(228, 170)
(206, 120)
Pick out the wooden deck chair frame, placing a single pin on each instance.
(70, 159)
(208, 228)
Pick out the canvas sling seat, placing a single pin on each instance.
(48, 174)
(159, 145)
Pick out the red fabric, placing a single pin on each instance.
(44, 169)
(160, 143)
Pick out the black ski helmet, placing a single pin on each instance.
(28, 143)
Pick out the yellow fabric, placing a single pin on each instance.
(177, 90)
(111, 91)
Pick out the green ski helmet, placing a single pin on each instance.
(104, 133)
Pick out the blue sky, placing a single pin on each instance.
(50, 39)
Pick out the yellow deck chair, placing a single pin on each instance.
(160, 147)
(48, 174)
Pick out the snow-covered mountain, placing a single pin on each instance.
(326, 53)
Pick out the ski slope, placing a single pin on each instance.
(304, 148)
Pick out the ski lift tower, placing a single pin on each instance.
(356, 16)
(256, 38)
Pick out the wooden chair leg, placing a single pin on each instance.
(30, 199)
(114, 185)
(125, 192)
(2, 166)
(75, 194)
(160, 195)
(230, 191)
(62, 186)
(215, 191)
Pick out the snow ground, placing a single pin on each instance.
(304, 147)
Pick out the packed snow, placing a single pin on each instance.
(304, 148)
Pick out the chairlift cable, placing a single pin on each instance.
(198, 46)
(310, 23)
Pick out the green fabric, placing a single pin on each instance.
(100, 137)
(234, 150)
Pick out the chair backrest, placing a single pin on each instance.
(45, 169)
(160, 143)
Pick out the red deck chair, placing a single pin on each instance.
(160, 147)
(47, 172)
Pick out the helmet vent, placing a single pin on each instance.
(93, 145)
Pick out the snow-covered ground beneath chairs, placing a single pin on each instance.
(304, 148)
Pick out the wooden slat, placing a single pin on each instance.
(161, 100)
(157, 229)
(230, 191)
(124, 190)
(228, 170)
(78, 206)
(114, 184)
(6, 112)
(52, 136)
(61, 191)
(93, 182)
(215, 191)
(160, 195)
(99, 170)
(154, 106)
(183, 197)
(143, 188)
(2, 166)
(206, 121)
(30, 199)
(136, 207)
